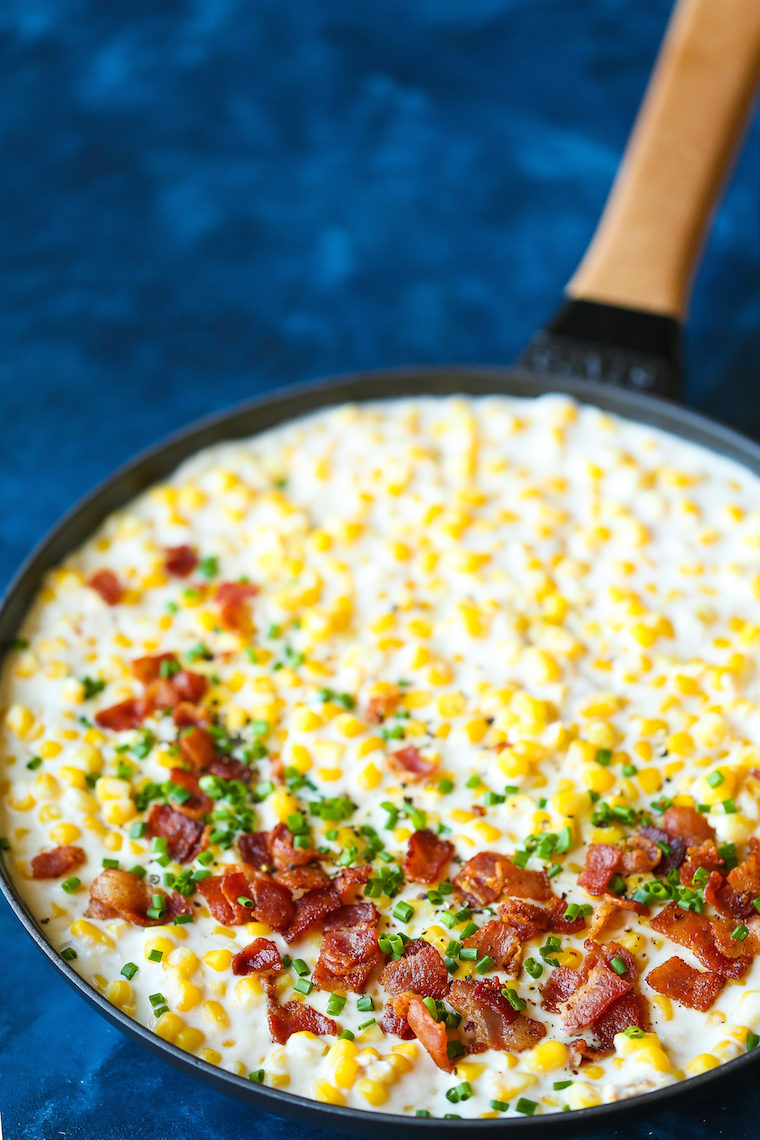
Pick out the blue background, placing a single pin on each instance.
(204, 200)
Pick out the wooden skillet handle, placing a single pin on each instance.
(646, 245)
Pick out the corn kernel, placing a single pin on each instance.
(118, 992)
(218, 960)
(188, 995)
(702, 1064)
(65, 833)
(168, 1026)
(326, 1093)
(373, 1092)
(215, 1015)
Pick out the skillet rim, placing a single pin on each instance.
(250, 418)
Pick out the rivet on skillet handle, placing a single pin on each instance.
(621, 323)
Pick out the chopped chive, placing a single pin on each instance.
(138, 830)
(34, 763)
(740, 932)
(71, 884)
(525, 1106)
(468, 930)
(730, 807)
(303, 986)
(604, 757)
(468, 954)
(365, 1004)
(182, 919)
(514, 999)
(245, 901)
(69, 954)
(335, 1004)
(257, 1076)
(558, 1086)
(345, 1035)
(752, 1041)
(300, 967)
(403, 911)
(716, 778)
(445, 786)
(155, 955)
(499, 1105)
(366, 1024)
(619, 966)
(455, 1049)
(534, 968)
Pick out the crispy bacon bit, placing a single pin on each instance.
(696, 932)
(352, 914)
(259, 957)
(487, 876)
(742, 885)
(490, 1019)
(706, 856)
(198, 746)
(272, 903)
(59, 861)
(311, 908)
(382, 705)
(732, 947)
(421, 970)
(628, 1010)
(349, 953)
(427, 857)
(184, 686)
(349, 879)
(180, 561)
(234, 612)
(255, 849)
(556, 922)
(674, 857)
(640, 855)
(199, 803)
(579, 1051)
(124, 715)
(410, 764)
(297, 1017)
(559, 986)
(148, 669)
(500, 942)
(602, 862)
(430, 1033)
(610, 908)
(687, 824)
(676, 979)
(120, 894)
(228, 768)
(226, 912)
(187, 715)
(390, 1022)
(526, 919)
(284, 854)
(303, 878)
(595, 995)
(105, 583)
(183, 834)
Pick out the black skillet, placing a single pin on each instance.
(615, 344)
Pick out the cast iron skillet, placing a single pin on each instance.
(615, 344)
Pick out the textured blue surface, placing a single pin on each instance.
(203, 200)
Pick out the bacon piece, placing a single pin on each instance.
(427, 857)
(234, 613)
(303, 878)
(630, 1009)
(311, 908)
(259, 957)
(183, 834)
(228, 768)
(187, 715)
(609, 909)
(595, 995)
(409, 763)
(696, 932)
(421, 970)
(490, 1019)
(226, 912)
(184, 686)
(255, 849)
(347, 957)
(59, 861)
(640, 855)
(674, 857)
(706, 856)
(579, 1051)
(297, 1017)
(105, 583)
(349, 879)
(676, 979)
(687, 824)
(126, 714)
(199, 803)
(284, 854)
(556, 922)
(148, 669)
(120, 894)
(390, 1022)
(733, 947)
(382, 705)
(272, 903)
(430, 1033)
(602, 862)
(526, 919)
(198, 746)
(559, 987)
(488, 875)
(352, 914)
(500, 942)
(742, 886)
(180, 561)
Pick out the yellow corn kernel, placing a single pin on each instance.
(168, 1026)
(460, 815)
(369, 777)
(599, 778)
(248, 991)
(307, 720)
(570, 957)
(218, 960)
(283, 803)
(117, 812)
(581, 1095)
(118, 992)
(212, 1057)
(190, 1038)
(215, 1015)
(476, 730)
(72, 777)
(340, 1049)
(487, 831)
(323, 1091)
(300, 758)
(20, 720)
(650, 780)
(372, 745)
(188, 995)
(81, 929)
(346, 1072)
(663, 1003)
(49, 749)
(702, 1064)
(65, 833)
(163, 945)
(408, 1049)
(469, 1070)
(111, 788)
(373, 1092)
(680, 744)
(581, 752)
(602, 705)
(182, 962)
(348, 725)
(570, 804)
(452, 704)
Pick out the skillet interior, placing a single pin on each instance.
(248, 419)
